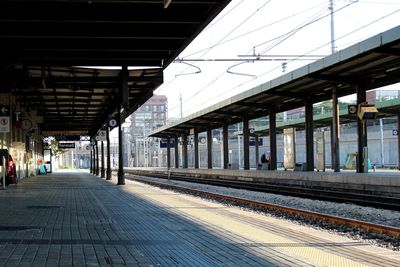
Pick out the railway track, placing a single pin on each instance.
(335, 220)
(369, 200)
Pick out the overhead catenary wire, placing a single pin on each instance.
(193, 108)
(229, 33)
(218, 77)
(230, 89)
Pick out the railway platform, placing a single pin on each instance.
(376, 183)
(77, 219)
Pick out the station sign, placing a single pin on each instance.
(252, 142)
(395, 132)
(5, 124)
(66, 145)
(352, 109)
(163, 143)
(5, 119)
(101, 136)
(4, 111)
(113, 123)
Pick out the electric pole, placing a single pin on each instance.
(332, 27)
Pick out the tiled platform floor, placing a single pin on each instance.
(76, 219)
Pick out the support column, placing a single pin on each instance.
(184, 151)
(91, 161)
(256, 150)
(196, 149)
(97, 159)
(121, 174)
(309, 135)
(108, 173)
(398, 141)
(168, 152)
(225, 134)
(209, 148)
(272, 139)
(103, 171)
(94, 159)
(176, 153)
(335, 132)
(361, 130)
(246, 144)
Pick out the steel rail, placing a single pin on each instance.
(366, 226)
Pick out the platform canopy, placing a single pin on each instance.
(46, 43)
(370, 64)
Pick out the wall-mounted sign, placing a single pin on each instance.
(113, 123)
(5, 124)
(352, 109)
(101, 136)
(66, 145)
(4, 111)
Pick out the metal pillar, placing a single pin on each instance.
(91, 161)
(209, 148)
(108, 173)
(121, 174)
(246, 144)
(256, 149)
(272, 140)
(103, 171)
(176, 153)
(168, 153)
(309, 135)
(184, 151)
(335, 132)
(94, 160)
(361, 131)
(196, 149)
(398, 141)
(225, 134)
(97, 159)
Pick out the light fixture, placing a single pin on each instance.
(166, 3)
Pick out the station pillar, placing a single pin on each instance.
(108, 172)
(121, 174)
(102, 160)
(256, 150)
(246, 144)
(335, 159)
(184, 151)
(209, 148)
(225, 144)
(168, 152)
(362, 133)
(176, 152)
(398, 141)
(196, 148)
(97, 159)
(91, 161)
(272, 139)
(309, 135)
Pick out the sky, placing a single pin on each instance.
(266, 28)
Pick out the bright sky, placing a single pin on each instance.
(267, 27)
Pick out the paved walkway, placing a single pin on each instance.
(76, 219)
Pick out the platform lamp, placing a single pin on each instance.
(366, 111)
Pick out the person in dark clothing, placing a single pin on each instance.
(264, 158)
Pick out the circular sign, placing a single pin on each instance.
(395, 132)
(252, 130)
(3, 121)
(112, 123)
(352, 109)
